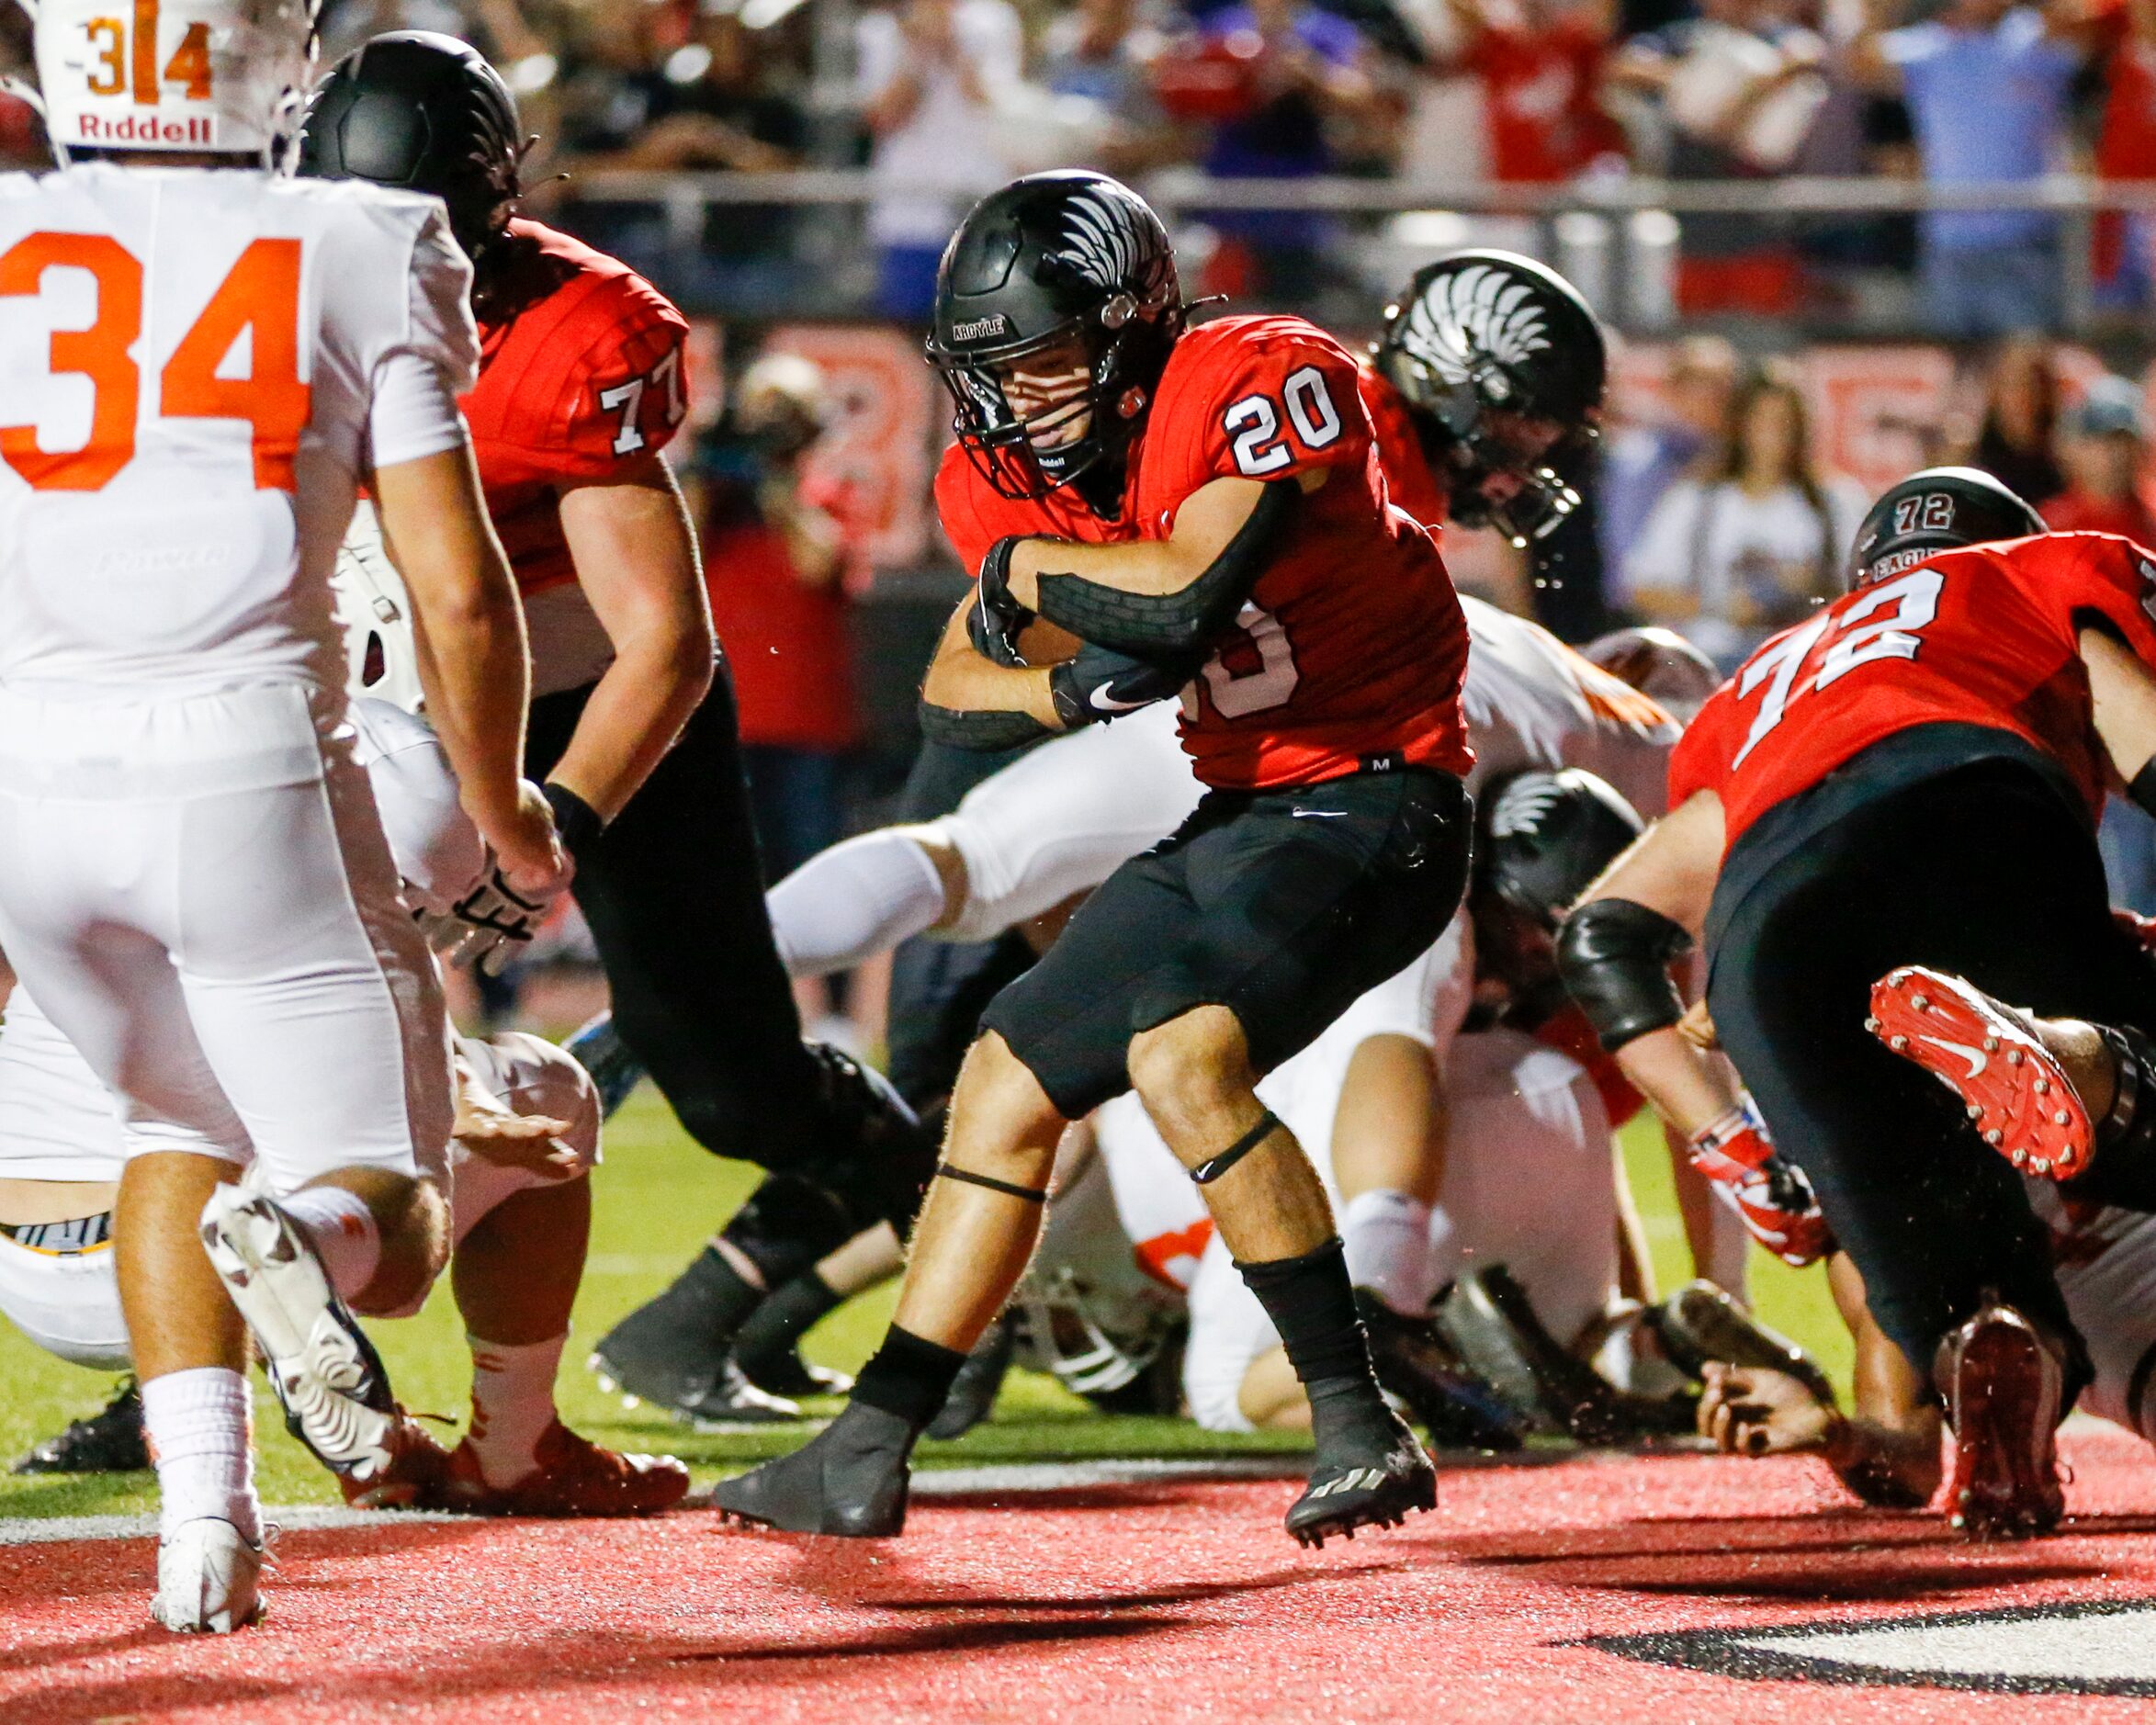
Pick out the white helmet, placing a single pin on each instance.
(1661, 664)
(381, 654)
(231, 76)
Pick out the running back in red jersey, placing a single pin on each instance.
(581, 375)
(1987, 635)
(1351, 644)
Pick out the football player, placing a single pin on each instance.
(518, 1198)
(580, 387)
(202, 362)
(1154, 499)
(1909, 779)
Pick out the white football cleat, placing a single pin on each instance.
(326, 1372)
(208, 1579)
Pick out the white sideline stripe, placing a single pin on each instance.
(1014, 1479)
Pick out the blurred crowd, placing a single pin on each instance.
(942, 99)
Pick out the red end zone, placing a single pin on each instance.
(1656, 1589)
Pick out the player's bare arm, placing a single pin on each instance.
(636, 556)
(2123, 691)
(961, 680)
(477, 672)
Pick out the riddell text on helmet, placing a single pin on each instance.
(196, 129)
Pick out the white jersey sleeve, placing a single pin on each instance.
(418, 380)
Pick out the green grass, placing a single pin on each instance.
(658, 1196)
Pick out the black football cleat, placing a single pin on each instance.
(781, 1371)
(674, 1351)
(849, 1481)
(1371, 1475)
(1700, 1323)
(980, 1380)
(1489, 1319)
(111, 1441)
(1417, 1368)
(730, 1401)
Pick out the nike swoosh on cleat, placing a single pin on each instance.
(1977, 1060)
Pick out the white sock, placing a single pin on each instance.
(859, 898)
(341, 1230)
(511, 1404)
(201, 1428)
(1386, 1233)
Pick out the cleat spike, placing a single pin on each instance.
(2042, 1086)
(1871, 1025)
(1975, 1111)
(1991, 1044)
(1994, 1135)
(1899, 1044)
(2015, 1056)
(1919, 1002)
(2062, 1118)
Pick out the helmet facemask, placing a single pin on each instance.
(1032, 447)
(1481, 441)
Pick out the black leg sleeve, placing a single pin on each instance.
(674, 896)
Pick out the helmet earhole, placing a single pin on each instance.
(1131, 404)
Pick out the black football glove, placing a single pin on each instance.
(1102, 684)
(996, 620)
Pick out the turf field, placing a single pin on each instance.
(658, 1197)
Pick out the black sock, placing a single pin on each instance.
(909, 1376)
(1312, 1305)
(711, 1296)
(776, 1328)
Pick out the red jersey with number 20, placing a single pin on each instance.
(1353, 643)
(584, 376)
(1986, 636)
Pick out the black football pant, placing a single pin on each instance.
(674, 896)
(1984, 871)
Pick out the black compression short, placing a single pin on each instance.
(1283, 905)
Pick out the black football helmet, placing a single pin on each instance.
(1939, 509)
(1052, 258)
(1480, 340)
(1547, 836)
(426, 112)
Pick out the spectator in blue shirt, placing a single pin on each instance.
(1315, 77)
(1987, 84)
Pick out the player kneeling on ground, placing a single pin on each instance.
(527, 1137)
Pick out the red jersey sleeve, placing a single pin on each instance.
(1409, 484)
(609, 386)
(1258, 399)
(2116, 579)
(1700, 761)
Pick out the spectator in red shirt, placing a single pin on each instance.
(1540, 64)
(2106, 450)
(2124, 264)
(779, 555)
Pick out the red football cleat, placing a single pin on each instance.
(417, 1470)
(2017, 1094)
(574, 1477)
(2002, 1387)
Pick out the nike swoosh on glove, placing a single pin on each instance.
(1770, 1195)
(995, 620)
(1100, 685)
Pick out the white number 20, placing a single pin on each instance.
(1253, 425)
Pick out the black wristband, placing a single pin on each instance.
(576, 820)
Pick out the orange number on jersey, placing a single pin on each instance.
(110, 78)
(98, 352)
(189, 64)
(261, 296)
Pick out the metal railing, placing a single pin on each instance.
(1643, 217)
